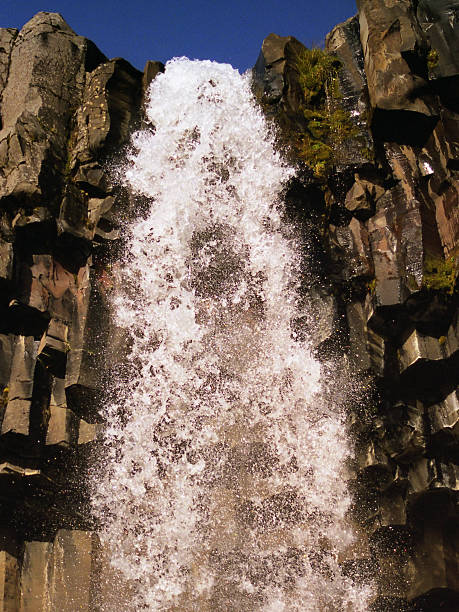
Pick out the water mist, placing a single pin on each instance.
(224, 484)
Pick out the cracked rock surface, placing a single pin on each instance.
(382, 230)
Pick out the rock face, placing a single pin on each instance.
(65, 110)
(382, 227)
(386, 241)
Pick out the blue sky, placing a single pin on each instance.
(231, 31)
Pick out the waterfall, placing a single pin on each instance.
(224, 479)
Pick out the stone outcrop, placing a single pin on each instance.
(384, 230)
(381, 227)
(66, 112)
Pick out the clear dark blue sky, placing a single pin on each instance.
(226, 31)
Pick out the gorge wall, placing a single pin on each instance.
(374, 133)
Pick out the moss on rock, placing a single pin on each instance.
(328, 124)
(440, 274)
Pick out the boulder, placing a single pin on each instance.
(362, 197)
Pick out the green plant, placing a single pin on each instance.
(327, 124)
(4, 398)
(318, 75)
(432, 59)
(439, 274)
(371, 285)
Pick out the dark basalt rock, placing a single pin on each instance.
(344, 42)
(389, 250)
(275, 80)
(381, 229)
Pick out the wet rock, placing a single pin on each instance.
(392, 508)
(419, 347)
(358, 337)
(445, 415)
(7, 343)
(390, 287)
(87, 432)
(432, 579)
(84, 370)
(443, 421)
(344, 42)
(92, 178)
(62, 427)
(35, 576)
(71, 571)
(392, 604)
(431, 313)
(319, 322)
(374, 465)
(430, 381)
(401, 432)
(376, 347)
(436, 599)
(72, 251)
(35, 233)
(432, 482)
(350, 249)
(6, 260)
(362, 197)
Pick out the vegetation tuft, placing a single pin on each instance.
(432, 59)
(328, 125)
(440, 274)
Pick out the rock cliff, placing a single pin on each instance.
(373, 127)
(384, 222)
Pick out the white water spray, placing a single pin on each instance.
(224, 487)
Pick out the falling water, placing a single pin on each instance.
(224, 487)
